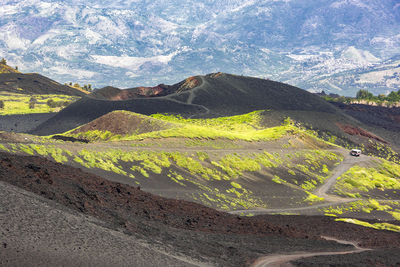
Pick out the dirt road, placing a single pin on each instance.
(191, 97)
(348, 162)
(284, 259)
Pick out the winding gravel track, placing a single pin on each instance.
(284, 259)
(191, 97)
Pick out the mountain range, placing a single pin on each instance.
(338, 46)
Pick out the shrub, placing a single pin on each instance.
(57, 104)
(51, 103)
(32, 102)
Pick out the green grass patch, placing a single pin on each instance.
(365, 206)
(395, 214)
(238, 123)
(378, 226)
(50, 151)
(360, 179)
(278, 180)
(313, 198)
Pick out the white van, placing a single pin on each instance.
(355, 152)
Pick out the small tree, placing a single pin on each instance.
(1, 104)
(3, 61)
(16, 67)
(393, 96)
(364, 94)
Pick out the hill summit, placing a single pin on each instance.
(212, 95)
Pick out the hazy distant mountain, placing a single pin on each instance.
(327, 44)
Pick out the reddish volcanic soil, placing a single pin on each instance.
(116, 94)
(192, 229)
(383, 117)
(359, 131)
(139, 92)
(123, 123)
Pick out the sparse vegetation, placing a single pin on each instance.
(313, 198)
(364, 206)
(25, 104)
(218, 177)
(55, 153)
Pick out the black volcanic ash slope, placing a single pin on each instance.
(226, 94)
(34, 83)
(212, 95)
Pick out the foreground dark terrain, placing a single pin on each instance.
(57, 215)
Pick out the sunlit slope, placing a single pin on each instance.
(124, 125)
